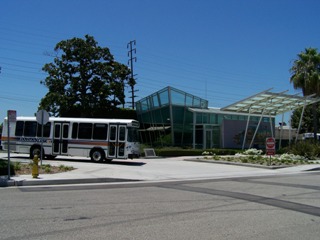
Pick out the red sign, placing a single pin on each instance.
(270, 146)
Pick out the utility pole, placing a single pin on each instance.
(132, 81)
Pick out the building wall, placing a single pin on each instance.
(166, 118)
(234, 131)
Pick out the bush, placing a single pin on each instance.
(177, 151)
(17, 166)
(252, 151)
(163, 141)
(220, 151)
(244, 160)
(307, 149)
(290, 157)
(4, 168)
(46, 168)
(65, 168)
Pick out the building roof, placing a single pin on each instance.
(170, 96)
(220, 111)
(269, 103)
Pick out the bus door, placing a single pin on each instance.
(117, 141)
(60, 138)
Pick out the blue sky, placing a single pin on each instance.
(220, 50)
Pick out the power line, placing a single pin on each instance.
(154, 73)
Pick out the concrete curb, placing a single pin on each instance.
(37, 182)
(6, 182)
(237, 163)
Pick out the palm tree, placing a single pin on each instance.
(305, 75)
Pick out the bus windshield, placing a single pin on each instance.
(133, 134)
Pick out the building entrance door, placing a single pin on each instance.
(207, 139)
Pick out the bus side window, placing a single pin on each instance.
(75, 130)
(46, 130)
(65, 130)
(85, 131)
(100, 131)
(19, 128)
(122, 133)
(30, 129)
(113, 133)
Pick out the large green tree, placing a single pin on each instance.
(307, 124)
(305, 75)
(84, 80)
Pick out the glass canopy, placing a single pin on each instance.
(269, 103)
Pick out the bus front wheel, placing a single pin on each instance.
(97, 155)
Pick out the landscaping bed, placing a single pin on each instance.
(254, 157)
(18, 168)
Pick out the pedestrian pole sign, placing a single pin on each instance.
(270, 146)
(12, 117)
(42, 119)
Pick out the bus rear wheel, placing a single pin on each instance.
(35, 151)
(97, 155)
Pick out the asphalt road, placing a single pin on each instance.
(277, 207)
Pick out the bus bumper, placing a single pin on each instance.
(133, 155)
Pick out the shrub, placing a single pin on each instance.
(65, 168)
(4, 168)
(290, 157)
(244, 160)
(177, 151)
(174, 152)
(46, 168)
(17, 166)
(207, 153)
(252, 151)
(307, 149)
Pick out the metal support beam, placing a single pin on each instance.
(297, 134)
(281, 131)
(171, 116)
(246, 131)
(194, 130)
(255, 132)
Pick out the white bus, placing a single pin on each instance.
(99, 139)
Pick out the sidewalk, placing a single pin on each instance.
(144, 169)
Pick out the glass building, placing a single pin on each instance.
(171, 117)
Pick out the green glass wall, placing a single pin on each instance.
(166, 119)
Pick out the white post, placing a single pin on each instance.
(8, 125)
(281, 130)
(297, 134)
(246, 131)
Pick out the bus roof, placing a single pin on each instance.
(84, 120)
